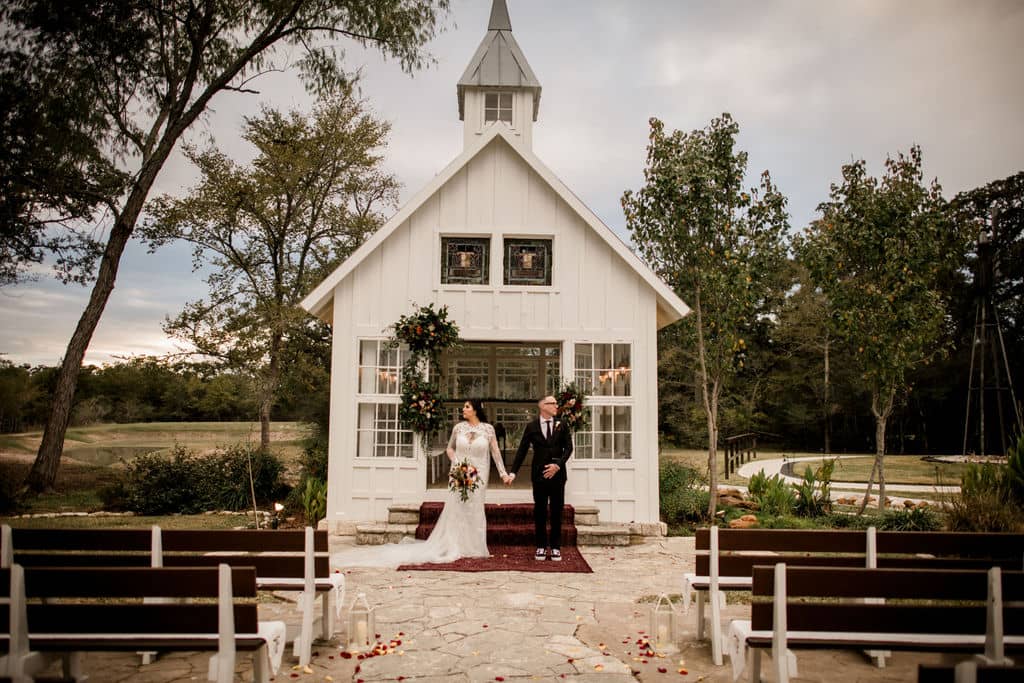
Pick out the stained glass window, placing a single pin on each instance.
(465, 260)
(527, 262)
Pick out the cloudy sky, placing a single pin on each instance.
(812, 84)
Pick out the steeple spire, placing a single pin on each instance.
(499, 17)
(498, 84)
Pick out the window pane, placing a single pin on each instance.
(465, 260)
(468, 377)
(505, 100)
(623, 418)
(379, 433)
(528, 262)
(584, 448)
(602, 356)
(622, 447)
(603, 445)
(491, 100)
(517, 379)
(505, 115)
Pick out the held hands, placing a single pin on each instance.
(508, 479)
(550, 470)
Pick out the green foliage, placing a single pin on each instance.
(774, 496)
(838, 520)
(683, 498)
(912, 519)
(813, 493)
(314, 501)
(187, 483)
(1014, 473)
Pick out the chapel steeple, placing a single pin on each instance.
(498, 87)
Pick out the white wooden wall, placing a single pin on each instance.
(594, 297)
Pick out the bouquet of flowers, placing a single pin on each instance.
(426, 330)
(463, 478)
(570, 407)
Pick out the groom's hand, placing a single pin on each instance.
(551, 470)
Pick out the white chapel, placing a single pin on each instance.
(542, 291)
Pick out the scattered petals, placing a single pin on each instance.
(662, 670)
(499, 678)
(345, 655)
(599, 667)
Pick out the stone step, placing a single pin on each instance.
(409, 513)
(610, 534)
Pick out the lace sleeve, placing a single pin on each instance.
(455, 433)
(499, 461)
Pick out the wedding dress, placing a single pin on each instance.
(461, 530)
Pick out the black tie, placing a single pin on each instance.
(547, 429)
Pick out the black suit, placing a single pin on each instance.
(555, 450)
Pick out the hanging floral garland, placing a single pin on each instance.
(426, 332)
(571, 410)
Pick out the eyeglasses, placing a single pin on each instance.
(550, 403)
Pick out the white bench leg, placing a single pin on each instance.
(878, 656)
(261, 665)
(754, 665)
(327, 621)
(72, 666)
(700, 614)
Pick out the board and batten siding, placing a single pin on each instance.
(594, 297)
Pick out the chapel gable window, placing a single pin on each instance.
(465, 260)
(498, 107)
(528, 262)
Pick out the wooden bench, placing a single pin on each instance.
(291, 560)
(945, 610)
(725, 558)
(66, 612)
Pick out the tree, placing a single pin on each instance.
(182, 54)
(717, 245)
(879, 253)
(272, 229)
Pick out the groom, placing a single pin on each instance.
(552, 447)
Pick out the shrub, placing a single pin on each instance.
(912, 519)
(774, 496)
(314, 501)
(183, 482)
(837, 520)
(682, 497)
(814, 493)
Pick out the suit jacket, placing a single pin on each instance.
(556, 450)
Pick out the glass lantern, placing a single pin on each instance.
(361, 629)
(663, 633)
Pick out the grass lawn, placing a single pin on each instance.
(899, 469)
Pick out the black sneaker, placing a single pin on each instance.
(556, 555)
(540, 554)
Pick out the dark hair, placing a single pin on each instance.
(478, 407)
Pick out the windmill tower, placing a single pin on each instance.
(989, 381)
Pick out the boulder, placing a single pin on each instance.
(907, 503)
(743, 523)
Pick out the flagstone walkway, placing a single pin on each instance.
(516, 626)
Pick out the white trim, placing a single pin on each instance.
(319, 299)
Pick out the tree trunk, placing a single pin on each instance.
(880, 421)
(44, 469)
(273, 377)
(828, 401)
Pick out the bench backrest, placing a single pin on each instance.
(180, 548)
(929, 601)
(740, 550)
(110, 600)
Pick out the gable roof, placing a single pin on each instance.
(498, 62)
(670, 307)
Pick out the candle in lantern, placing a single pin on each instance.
(361, 632)
(662, 634)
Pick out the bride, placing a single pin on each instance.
(461, 530)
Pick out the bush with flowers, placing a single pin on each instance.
(571, 411)
(426, 331)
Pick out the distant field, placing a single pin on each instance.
(107, 444)
(94, 456)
